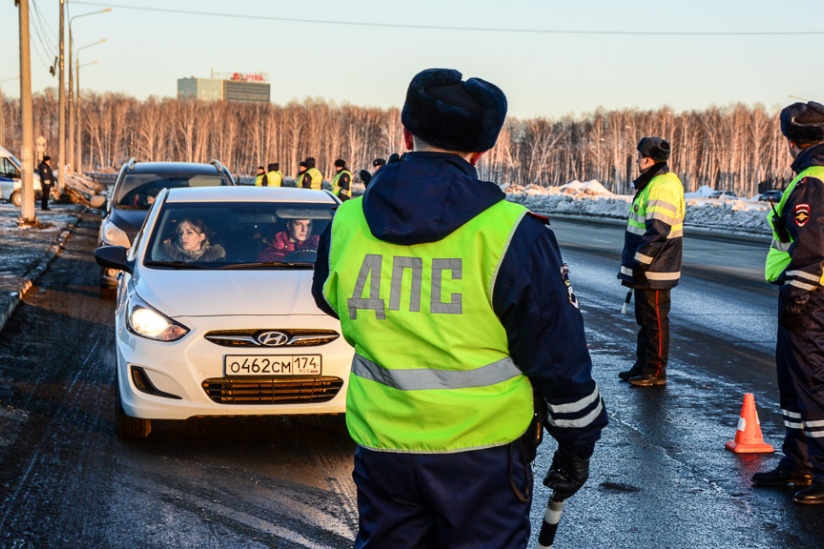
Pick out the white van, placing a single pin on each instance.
(10, 179)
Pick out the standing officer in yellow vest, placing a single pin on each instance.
(651, 259)
(460, 310)
(312, 179)
(795, 262)
(273, 175)
(260, 178)
(299, 179)
(342, 183)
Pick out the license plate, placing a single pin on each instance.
(278, 365)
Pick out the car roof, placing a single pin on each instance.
(249, 194)
(173, 167)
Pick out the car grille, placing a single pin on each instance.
(258, 338)
(286, 390)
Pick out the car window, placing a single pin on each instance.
(137, 191)
(237, 235)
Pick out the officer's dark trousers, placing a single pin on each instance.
(44, 196)
(476, 499)
(652, 315)
(799, 359)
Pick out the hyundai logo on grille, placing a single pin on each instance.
(273, 339)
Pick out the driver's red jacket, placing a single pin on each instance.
(281, 246)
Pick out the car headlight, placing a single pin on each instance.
(112, 235)
(145, 321)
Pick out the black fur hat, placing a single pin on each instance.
(655, 148)
(340, 163)
(310, 161)
(452, 114)
(803, 122)
(378, 162)
(274, 166)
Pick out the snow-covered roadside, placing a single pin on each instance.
(591, 198)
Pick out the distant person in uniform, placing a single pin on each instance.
(260, 179)
(366, 177)
(301, 175)
(342, 182)
(273, 176)
(47, 181)
(313, 178)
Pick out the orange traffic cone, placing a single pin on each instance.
(748, 439)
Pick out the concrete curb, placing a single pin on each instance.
(37, 271)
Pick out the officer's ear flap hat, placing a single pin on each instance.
(803, 122)
(452, 114)
(655, 148)
(340, 163)
(272, 167)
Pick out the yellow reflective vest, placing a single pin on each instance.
(432, 371)
(778, 257)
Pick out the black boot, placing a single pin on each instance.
(783, 477)
(648, 380)
(632, 372)
(813, 495)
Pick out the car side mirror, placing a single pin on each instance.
(113, 257)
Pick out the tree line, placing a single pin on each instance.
(736, 148)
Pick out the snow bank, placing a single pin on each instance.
(593, 199)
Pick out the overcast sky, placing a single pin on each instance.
(551, 58)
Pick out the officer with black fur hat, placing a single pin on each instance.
(651, 259)
(273, 176)
(794, 262)
(429, 262)
(342, 182)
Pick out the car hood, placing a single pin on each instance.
(182, 293)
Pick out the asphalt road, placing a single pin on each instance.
(660, 476)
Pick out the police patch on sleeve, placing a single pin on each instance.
(801, 214)
(568, 284)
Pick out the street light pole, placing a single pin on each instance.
(27, 215)
(71, 109)
(76, 139)
(61, 126)
(79, 140)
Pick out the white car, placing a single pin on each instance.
(228, 328)
(10, 185)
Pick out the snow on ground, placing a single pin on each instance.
(591, 198)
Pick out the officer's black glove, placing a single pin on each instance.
(365, 176)
(639, 273)
(394, 157)
(567, 474)
(791, 308)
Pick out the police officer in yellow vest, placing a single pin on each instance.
(260, 179)
(459, 308)
(312, 179)
(651, 259)
(794, 262)
(342, 183)
(302, 168)
(273, 175)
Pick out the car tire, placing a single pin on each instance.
(16, 198)
(129, 428)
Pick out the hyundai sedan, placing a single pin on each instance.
(214, 312)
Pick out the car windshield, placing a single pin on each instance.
(237, 235)
(137, 191)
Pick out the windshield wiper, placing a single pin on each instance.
(176, 264)
(259, 264)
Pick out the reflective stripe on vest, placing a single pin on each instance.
(432, 371)
(778, 257)
(335, 186)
